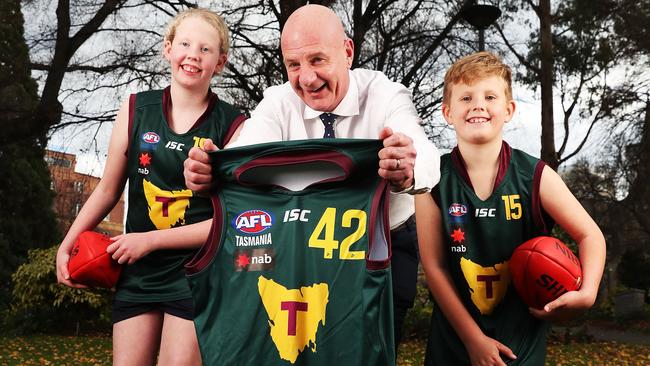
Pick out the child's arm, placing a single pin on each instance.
(128, 248)
(482, 349)
(565, 209)
(103, 198)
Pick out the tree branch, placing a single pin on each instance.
(406, 80)
(522, 60)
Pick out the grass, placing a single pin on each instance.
(411, 353)
(55, 350)
(96, 350)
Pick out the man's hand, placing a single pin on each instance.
(396, 159)
(197, 169)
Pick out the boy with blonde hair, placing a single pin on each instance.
(490, 199)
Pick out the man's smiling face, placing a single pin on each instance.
(317, 56)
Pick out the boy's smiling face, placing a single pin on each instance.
(478, 111)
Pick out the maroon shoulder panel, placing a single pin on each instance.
(166, 103)
(504, 162)
(233, 127)
(207, 252)
(212, 101)
(379, 207)
(459, 164)
(130, 131)
(297, 157)
(541, 218)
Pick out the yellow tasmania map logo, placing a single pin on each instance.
(166, 208)
(488, 285)
(294, 315)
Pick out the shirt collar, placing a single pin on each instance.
(349, 105)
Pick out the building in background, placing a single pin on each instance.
(73, 189)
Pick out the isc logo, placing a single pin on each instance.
(296, 214)
(457, 209)
(252, 222)
(173, 145)
(485, 212)
(150, 137)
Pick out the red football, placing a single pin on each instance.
(89, 263)
(543, 268)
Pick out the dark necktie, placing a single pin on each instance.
(328, 120)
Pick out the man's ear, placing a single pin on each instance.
(349, 51)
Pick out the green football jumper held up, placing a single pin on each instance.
(296, 270)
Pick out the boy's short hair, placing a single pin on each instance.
(210, 17)
(475, 67)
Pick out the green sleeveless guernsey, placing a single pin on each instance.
(297, 276)
(480, 236)
(158, 198)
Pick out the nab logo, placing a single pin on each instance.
(254, 260)
(252, 222)
(151, 138)
(457, 209)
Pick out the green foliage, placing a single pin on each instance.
(18, 91)
(564, 237)
(26, 218)
(603, 309)
(39, 303)
(634, 269)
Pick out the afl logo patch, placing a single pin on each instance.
(252, 222)
(457, 209)
(151, 137)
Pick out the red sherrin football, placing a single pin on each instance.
(543, 268)
(89, 263)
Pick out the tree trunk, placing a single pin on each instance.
(638, 199)
(49, 109)
(548, 153)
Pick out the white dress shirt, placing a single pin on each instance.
(371, 103)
